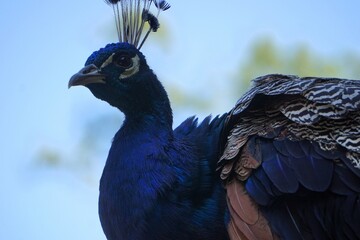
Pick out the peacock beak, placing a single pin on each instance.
(86, 75)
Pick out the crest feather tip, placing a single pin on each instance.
(112, 1)
(132, 16)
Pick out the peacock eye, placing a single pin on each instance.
(123, 61)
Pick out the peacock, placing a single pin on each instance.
(284, 163)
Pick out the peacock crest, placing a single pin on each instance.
(133, 18)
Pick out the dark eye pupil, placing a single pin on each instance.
(124, 61)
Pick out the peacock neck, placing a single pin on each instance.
(148, 105)
(137, 170)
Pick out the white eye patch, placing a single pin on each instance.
(133, 69)
(129, 71)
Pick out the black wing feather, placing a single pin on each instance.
(304, 135)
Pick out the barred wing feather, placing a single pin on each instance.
(292, 145)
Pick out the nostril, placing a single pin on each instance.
(90, 68)
(88, 74)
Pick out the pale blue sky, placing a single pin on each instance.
(44, 42)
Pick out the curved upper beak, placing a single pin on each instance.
(86, 75)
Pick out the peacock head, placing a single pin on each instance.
(118, 73)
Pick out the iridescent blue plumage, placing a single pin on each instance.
(284, 173)
(284, 163)
(157, 183)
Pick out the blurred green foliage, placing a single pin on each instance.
(264, 57)
(83, 157)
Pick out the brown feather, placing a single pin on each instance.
(246, 219)
(241, 202)
(321, 111)
(235, 233)
(280, 106)
(241, 226)
(226, 170)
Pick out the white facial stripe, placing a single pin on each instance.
(108, 61)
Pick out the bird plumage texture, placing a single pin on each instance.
(282, 164)
(294, 145)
